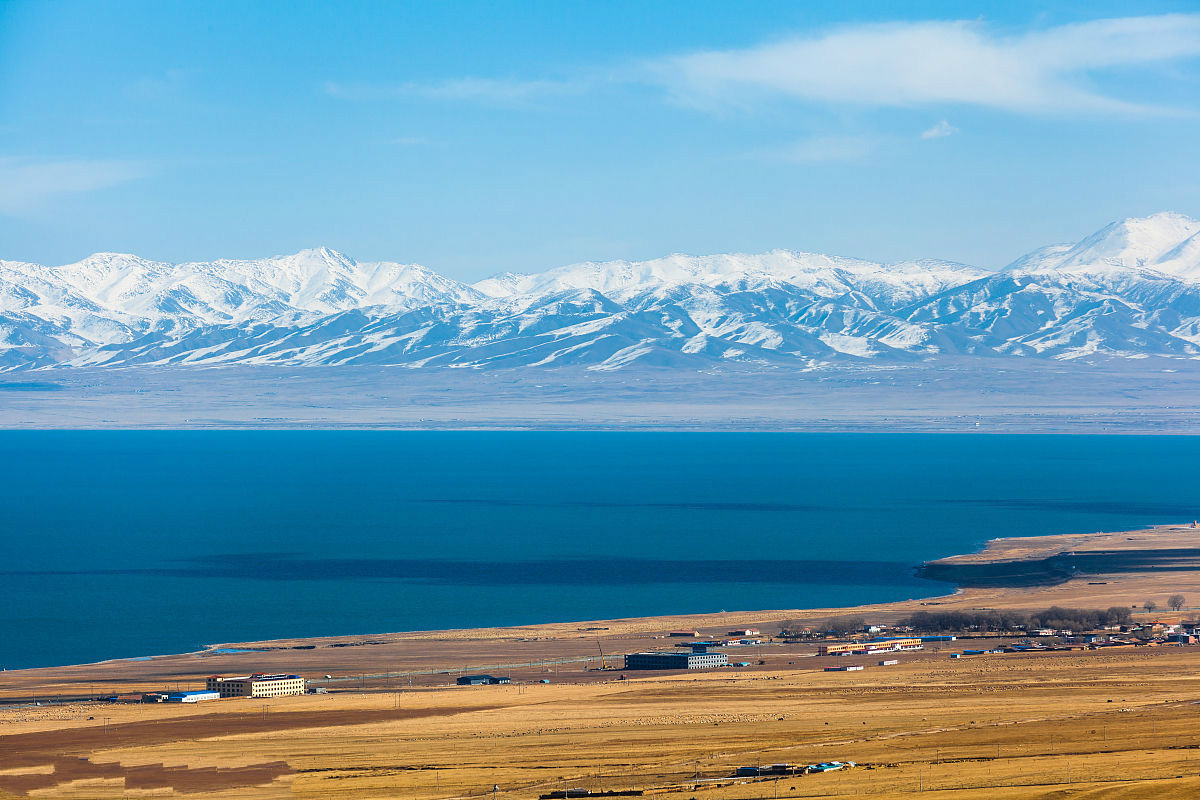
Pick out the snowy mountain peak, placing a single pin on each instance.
(1131, 289)
(1165, 243)
(1139, 242)
(102, 266)
(315, 258)
(828, 275)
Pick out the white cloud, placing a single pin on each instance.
(929, 63)
(902, 64)
(484, 90)
(30, 184)
(939, 130)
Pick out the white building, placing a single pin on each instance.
(257, 685)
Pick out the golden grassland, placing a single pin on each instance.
(1119, 723)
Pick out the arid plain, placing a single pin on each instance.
(1112, 723)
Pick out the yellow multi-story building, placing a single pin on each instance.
(257, 685)
(867, 648)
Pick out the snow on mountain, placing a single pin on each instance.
(825, 276)
(1130, 290)
(137, 295)
(1164, 242)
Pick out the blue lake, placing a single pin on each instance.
(120, 544)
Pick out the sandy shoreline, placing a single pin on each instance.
(1164, 539)
(433, 651)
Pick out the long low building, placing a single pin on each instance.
(482, 680)
(869, 648)
(697, 659)
(192, 697)
(257, 685)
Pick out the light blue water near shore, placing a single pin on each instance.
(118, 544)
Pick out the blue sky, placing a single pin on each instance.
(482, 137)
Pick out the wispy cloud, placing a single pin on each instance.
(498, 91)
(902, 64)
(30, 184)
(931, 63)
(939, 130)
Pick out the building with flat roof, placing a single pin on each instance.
(696, 659)
(481, 680)
(256, 685)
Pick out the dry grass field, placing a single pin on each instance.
(1118, 723)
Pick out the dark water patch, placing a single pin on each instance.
(693, 505)
(30, 386)
(1061, 567)
(546, 572)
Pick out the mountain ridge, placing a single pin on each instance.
(1130, 290)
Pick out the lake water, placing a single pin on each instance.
(129, 543)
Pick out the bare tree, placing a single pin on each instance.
(1149, 605)
(844, 625)
(1176, 601)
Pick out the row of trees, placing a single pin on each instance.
(1057, 617)
(1079, 619)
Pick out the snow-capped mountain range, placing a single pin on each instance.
(1130, 290)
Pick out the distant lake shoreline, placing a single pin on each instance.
(120, 543)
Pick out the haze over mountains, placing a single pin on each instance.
(1130, 290)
